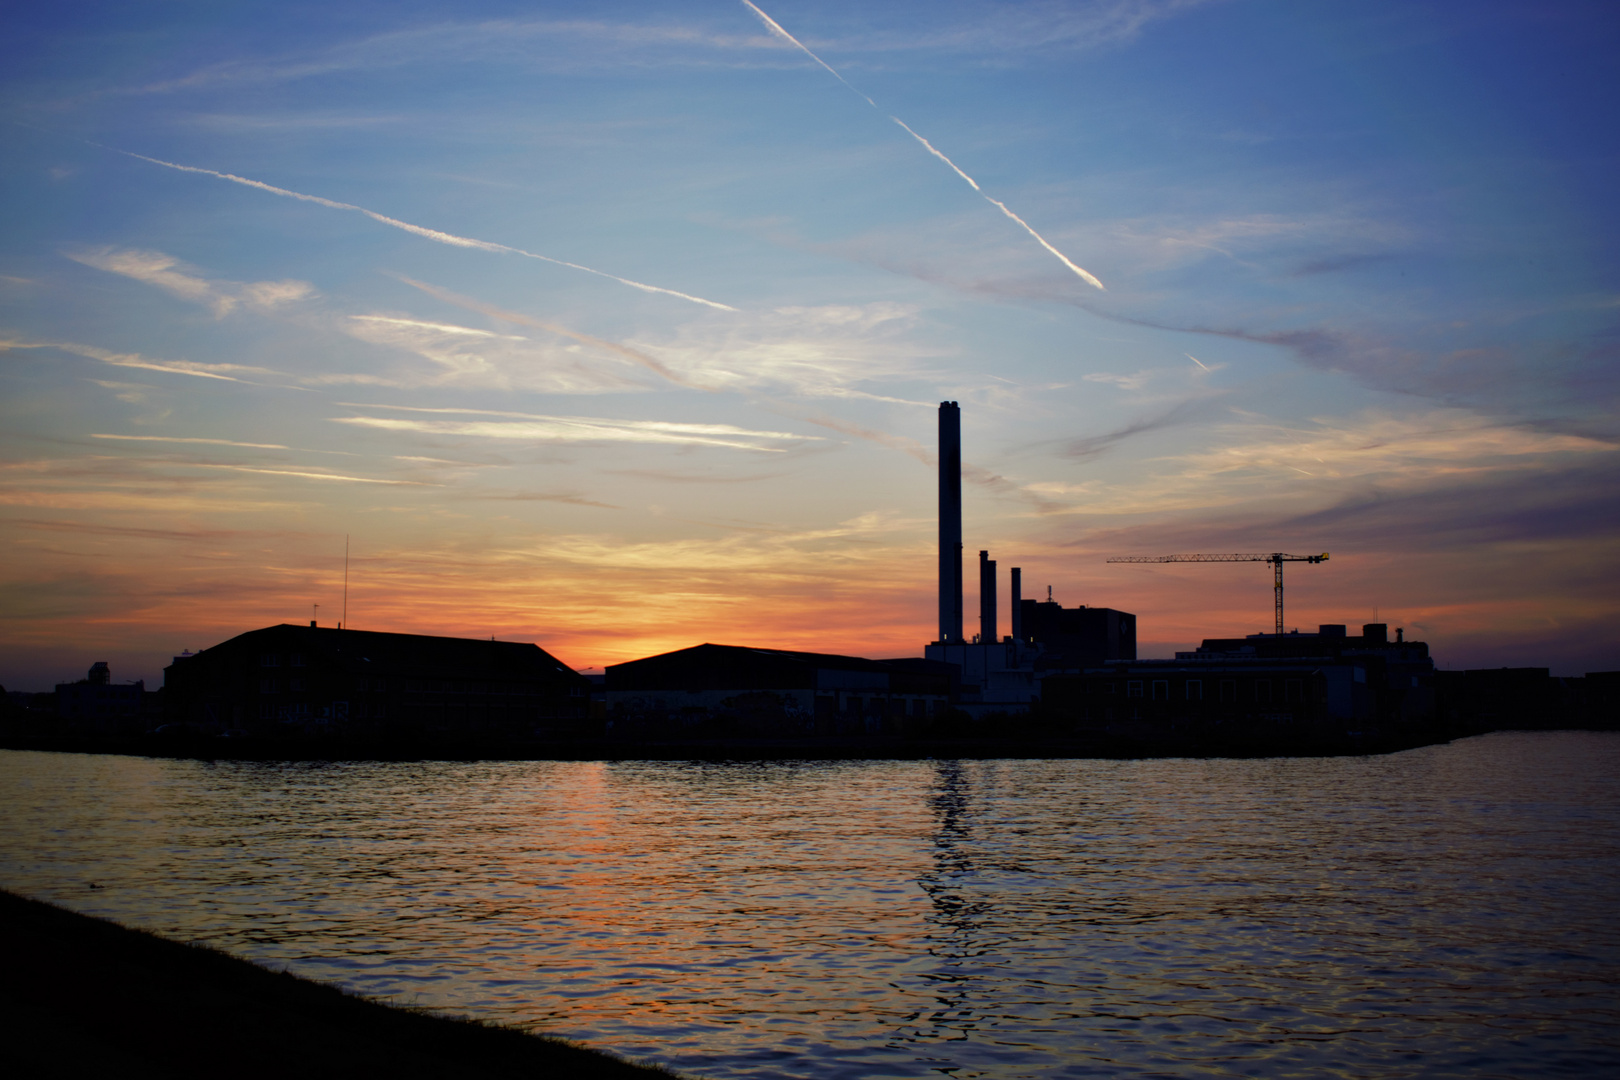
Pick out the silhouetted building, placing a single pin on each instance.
(1077, 637)
(1506, 698)
(292, 679)
(98, 703)
(1327, 677)
(734, 690)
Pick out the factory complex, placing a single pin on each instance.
(1060, 672)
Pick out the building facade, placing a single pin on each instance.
(731, 690)
(310, 680)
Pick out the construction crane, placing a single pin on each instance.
(1276, 559)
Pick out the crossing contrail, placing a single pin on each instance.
(776, 28)
(419, 230)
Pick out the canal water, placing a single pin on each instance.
(1447, 911)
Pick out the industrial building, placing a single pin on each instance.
(1002, 674)
(1269, 679)
(310, 680)
(734, 690)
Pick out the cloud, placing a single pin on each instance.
(1124, 382)
(825, 351)
(1271, 471)
(635, 356)
(570, 498)
(306, 474)
(222, 372)
(174, 277)
(418, 230)
(179, 439)
(532, 427)
(1183, 412)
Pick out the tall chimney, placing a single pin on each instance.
(1017, 604)
(950, 523)
(987, 598)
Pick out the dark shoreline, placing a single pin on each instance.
(83, 997)
(1239, 744)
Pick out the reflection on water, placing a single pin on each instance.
(1442, 912)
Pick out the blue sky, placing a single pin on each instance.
(1360, 296)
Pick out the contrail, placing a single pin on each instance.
(1195, 360)
(633, 355)
(776, 28)
(430, 234)
(1085, 275)
(941, 156)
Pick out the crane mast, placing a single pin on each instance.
(1275, 558)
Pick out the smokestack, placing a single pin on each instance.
(950, 523)
(987, 598)
(1017, 604)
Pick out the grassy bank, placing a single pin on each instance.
(86, 997)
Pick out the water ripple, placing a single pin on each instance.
(1442, 912)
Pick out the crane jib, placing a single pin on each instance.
(1275, 558)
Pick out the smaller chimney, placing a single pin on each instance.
(312, 624)
(987, 598)
(1017, 604)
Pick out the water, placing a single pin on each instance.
(1449, 911)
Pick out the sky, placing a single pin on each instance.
(622, 327)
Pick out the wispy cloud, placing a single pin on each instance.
(435, 235)
(635, 356)
(174, 277)
(222, 372)
(533, 427)
(1183, 412)
(823, 351)
(182, 439)
(305, 474)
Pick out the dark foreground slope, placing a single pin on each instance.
(85, 997)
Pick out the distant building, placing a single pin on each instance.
(1278, 679)
(99, 703)
(291, 679)
(1081, 637)
(1005, 676)
(735, 690)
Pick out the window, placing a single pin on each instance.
(1228, 691)
(267, 686)
(360, 685)
(295, 685)
(1262, 691)
(295, 660)
(1195, 689)
(269, 659)
(1161, 689)
(1133, 688)
(1293, 691)
(267, 711)
(1109, 688)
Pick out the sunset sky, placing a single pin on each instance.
(622, 327)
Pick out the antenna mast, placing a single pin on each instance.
(345, 621)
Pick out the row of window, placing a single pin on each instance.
(271, 659)
(1261, 691)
